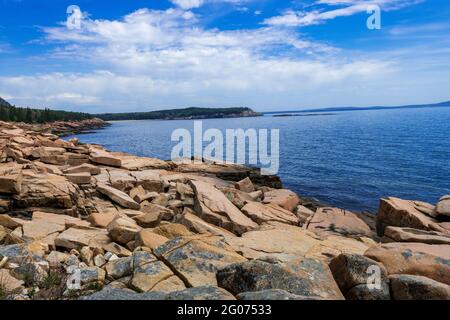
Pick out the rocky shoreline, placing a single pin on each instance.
(80, 222)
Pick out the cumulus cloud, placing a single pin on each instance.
(152, 59)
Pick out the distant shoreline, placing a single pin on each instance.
(375, 108)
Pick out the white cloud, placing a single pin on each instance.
(291, 18)
(188, 4)
(154, 59)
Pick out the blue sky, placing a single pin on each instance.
(269, 55)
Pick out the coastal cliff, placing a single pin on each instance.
(80, 222)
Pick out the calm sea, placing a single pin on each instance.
(348, 159)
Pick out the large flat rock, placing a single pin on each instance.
(338, 221)
(195, 259)
(214, 207)
(432, 261)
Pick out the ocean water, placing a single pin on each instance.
(348, 159)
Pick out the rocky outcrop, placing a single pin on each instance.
(306, 277)
(143, 228)
(404, 213)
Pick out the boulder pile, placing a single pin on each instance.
(80, 222)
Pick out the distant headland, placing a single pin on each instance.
(337, 109)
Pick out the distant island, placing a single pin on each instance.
(337, 109)
(181, 114)
(12, 113)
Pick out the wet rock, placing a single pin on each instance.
(305, 277)
(407, 287)
(212, 206)
(353, 274)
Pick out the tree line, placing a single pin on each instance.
(29, 115)
(187, 113)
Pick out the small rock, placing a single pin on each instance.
(122, 267)
(99, 260)
(245, 185)
(149, 239)
(123, 230)
(282, 197)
